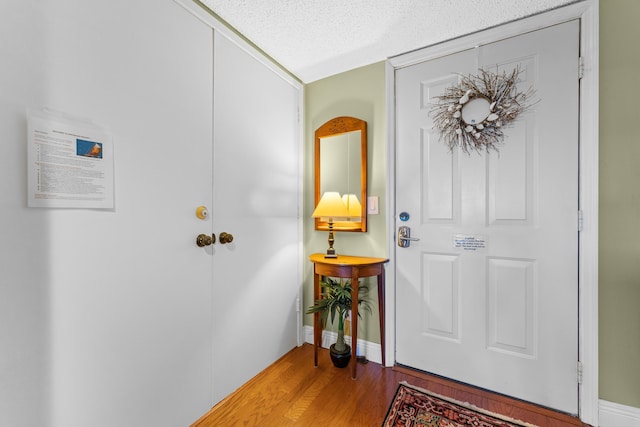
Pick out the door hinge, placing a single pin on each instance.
(580, 220)
(580, 67)
(579, 372)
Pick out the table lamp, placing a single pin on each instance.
(331, 207)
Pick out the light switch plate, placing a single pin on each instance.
(372, 205)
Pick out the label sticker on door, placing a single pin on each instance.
(470, 242)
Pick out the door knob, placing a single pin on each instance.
(225, 238)
(404, 237)
(205, 240)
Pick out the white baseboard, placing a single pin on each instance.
(617, 415)
(365, 348)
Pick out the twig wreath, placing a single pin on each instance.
(472, 114)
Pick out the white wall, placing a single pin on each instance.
(104, 315)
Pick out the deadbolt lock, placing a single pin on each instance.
(205, 240)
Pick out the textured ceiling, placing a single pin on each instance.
(318, 38)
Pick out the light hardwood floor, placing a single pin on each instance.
(292, 392)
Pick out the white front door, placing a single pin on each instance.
(502, 315)
(256, 185)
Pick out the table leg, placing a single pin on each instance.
(381, 307)
(354, 321)
(317, 329)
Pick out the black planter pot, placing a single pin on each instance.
(340, 359)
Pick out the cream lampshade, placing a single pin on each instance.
(332, 207)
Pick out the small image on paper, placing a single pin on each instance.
(88, 148)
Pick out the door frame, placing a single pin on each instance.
(587, 12)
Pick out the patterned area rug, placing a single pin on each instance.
(414, 407)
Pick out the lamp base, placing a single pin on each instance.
(331, 252)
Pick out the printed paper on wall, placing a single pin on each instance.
(70, 162)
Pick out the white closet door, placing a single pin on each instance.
(256, 181)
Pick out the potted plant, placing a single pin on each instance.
(336, 298)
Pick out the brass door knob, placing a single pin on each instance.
(205, 240)
(225, 238)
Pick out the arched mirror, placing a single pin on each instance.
(341, 165)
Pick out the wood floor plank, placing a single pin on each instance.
(292, 392)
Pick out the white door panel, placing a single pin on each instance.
(256, 197)
(502, 316)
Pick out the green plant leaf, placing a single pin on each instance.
(336, 298)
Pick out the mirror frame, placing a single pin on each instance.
(337, 126)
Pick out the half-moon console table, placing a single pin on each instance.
(348, 267)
